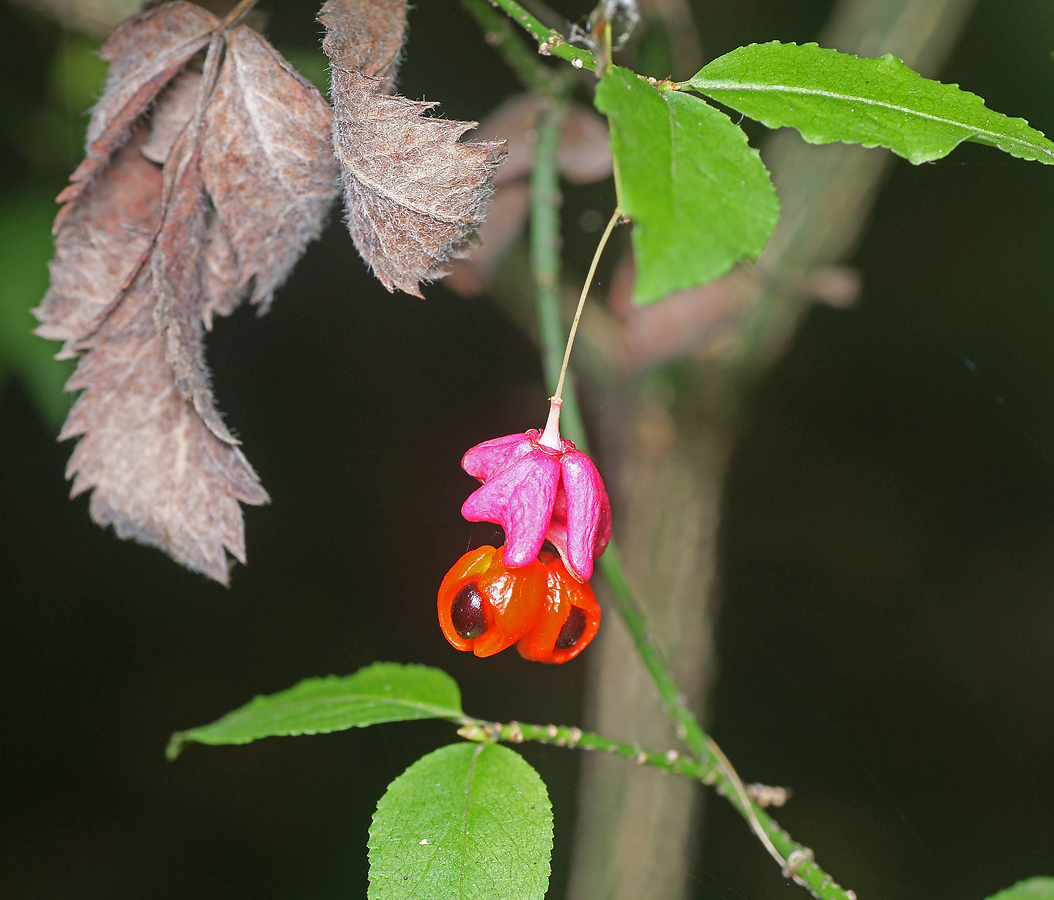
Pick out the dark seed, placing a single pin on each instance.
(572, 630)
(466, 612)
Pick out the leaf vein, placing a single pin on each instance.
(703, 86)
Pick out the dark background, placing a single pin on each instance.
(887, 635)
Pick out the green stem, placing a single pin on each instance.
(800, 866)
(545, 254)
(550, 41)
(545, 240)
(545, 191)
(708, 755)
(562, 736)
(499, 33)
(709, 764)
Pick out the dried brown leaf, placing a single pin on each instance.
(158, 475)
(175, 265)
(365, 35)
(175, 106)
(221, 276)
(100, 245)
(144, 53)
(266, 156)
(415, 194)
(144, 260)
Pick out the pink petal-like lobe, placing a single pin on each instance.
(483, 460)
(520, 499)
(557, 533)
(537, 493)
(588, 516)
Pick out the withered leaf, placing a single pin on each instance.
(159, 475)
(177, 214)
(144, 53)
(415, 194)
(267, 152)
(221, 275)
(175, 265)
(365, 35)
(175, 106)
(100, 245)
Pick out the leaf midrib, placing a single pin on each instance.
(252, 110)
(383, 191)
(465, 829)
(298, 705)
(705, 85)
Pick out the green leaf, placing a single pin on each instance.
(383, 692)
(1033, 889)
(467, 821)
(699, 196)
(831, 96)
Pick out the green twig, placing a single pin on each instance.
(714, 766)
(708, 763)
(545, 254)
(545, 264)
(799, 863)
(545, 239)
(545, 190)
(550, 41)
(499, 33)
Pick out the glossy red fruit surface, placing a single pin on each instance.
(486, 606)
(568, 620)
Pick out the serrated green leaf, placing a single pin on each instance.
(831, 96)
(383, 692)
(700, 198)
(467, 821)
(1032, 889)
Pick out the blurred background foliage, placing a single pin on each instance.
(42, 125)
(886, 640)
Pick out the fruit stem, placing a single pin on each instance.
(558, 396)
